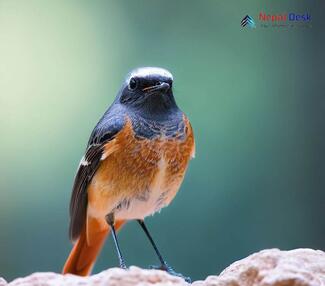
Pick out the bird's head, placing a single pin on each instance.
(149, 90)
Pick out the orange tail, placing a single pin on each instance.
(83, 256)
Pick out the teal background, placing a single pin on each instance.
(255, 98)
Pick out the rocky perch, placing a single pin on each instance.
(272, 267)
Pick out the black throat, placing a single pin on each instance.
(157, 119)
(159, 107)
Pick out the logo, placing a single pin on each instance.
(284, 17)
(278, 20)
(248, 21)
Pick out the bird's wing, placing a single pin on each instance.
(106, 129)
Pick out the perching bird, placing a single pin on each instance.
(133, 166)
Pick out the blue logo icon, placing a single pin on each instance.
(248, 21)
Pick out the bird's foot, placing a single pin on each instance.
(123, 266)
(171, 271)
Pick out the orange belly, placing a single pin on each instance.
(141, 177)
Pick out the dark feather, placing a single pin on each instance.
(106, 129)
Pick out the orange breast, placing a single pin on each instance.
(139, 176)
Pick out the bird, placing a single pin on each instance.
(135, 161)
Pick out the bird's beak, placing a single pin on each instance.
(162, 86)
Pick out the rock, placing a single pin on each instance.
(273, 267)
(113, 277)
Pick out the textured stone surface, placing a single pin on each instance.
(272, 267)
(2, 282)
(111, 277)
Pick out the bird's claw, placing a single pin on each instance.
(171, 271)
(124, 267)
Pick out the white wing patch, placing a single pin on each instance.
(84, 162)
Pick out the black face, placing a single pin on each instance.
(148, 89)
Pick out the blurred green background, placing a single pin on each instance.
(255, 98)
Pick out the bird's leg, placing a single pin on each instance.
(110, 221)
(164, 266)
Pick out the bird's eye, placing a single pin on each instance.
(133, 84)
